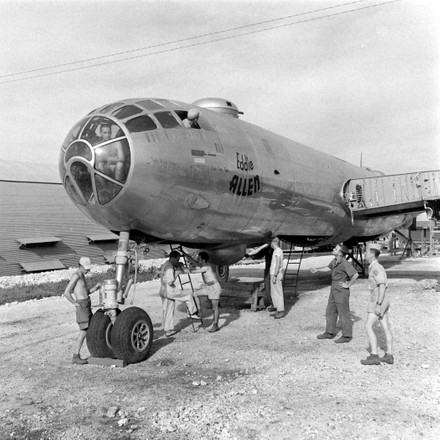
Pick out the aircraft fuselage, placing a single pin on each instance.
(229, 182)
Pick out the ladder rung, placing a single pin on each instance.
(183, 283)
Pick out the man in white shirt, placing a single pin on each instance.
(169, 293)
(276, 278)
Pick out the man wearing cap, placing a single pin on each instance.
(78, 293)
(378, 307)
(191, 120)
(344, 275)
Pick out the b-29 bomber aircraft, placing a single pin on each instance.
(222, 185)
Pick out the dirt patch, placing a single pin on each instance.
(258, 378)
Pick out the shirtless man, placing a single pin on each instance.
(210, 288)
(78, 293)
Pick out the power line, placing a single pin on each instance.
(191, 45)
(177, 41)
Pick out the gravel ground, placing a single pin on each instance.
(258, 378)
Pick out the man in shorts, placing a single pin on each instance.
(78, 293)
(211, 287)
(378, 308)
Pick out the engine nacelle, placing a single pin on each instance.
(226, 255)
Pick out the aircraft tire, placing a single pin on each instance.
(132, 335)
(99, 336)
(222, 273)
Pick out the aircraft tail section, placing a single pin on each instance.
(400, 193)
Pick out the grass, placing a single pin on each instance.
(22, 293)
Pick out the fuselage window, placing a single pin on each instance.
(127, 111)
(166, 119)
(150, 105)
(140, 123)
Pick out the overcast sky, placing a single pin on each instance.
(361, 82)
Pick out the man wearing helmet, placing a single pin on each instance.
(191, 120)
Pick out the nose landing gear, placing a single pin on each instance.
(112, 333)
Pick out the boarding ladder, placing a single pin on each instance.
(379, 195)
(183, 282)
(184, 278)
(291, 271)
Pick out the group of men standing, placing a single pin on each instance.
(343, 277)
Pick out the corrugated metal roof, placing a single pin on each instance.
(28, 172)
(44, 210)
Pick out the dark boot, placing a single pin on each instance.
(214, 328)
(343, 339)
(76, 359)
(387, 358)
(373, 359)
(326, 336)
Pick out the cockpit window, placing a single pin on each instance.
(78, 148)
(111, 107)
(150, 105)
(127, 111)
(74, 133)
(95, 160)
(140, 123)
(202, 121)
(101, 129)
(113, 160)
(105, 189)
(167, 102)
(81, 175)
(166, 119)
(73, 193)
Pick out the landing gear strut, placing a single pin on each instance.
(126, 335)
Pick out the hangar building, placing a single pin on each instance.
(40, 228)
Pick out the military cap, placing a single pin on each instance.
(376, 246)
(344, 249)
(85, 262)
